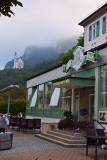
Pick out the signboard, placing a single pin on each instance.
(66, 81)
(103, 116)
(80, 59)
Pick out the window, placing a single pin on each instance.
(94, 30)
(55, 97)
(29, 96)
(65, 97)
(47, 94)
(29, 93)
(104, 86)
(40, 95)
(104, 25)
(34, 99)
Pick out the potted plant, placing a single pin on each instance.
(83, 125)
(61, 124)
(67, 122)
(84, 111)
(68, 114)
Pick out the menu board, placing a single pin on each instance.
(103, 116)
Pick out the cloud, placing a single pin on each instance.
(42, 22)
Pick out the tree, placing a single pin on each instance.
(5, 6)
(69, 54)
(16, 106)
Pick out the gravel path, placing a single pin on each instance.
(23, 142)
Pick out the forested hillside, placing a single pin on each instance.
(19, 76)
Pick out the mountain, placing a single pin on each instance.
(67, 44)
(34, 55)
(9, 64)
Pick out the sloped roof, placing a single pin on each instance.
(103, 7)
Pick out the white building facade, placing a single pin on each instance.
(80, 82)
(18, 63)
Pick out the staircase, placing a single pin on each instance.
(64, 138)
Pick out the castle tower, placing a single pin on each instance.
(18, 63)
(15, 60)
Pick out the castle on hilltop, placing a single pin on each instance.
(18, 63)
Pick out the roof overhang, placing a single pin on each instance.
(74, 83)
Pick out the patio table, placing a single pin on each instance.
(96, 138)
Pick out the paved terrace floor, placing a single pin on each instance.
(29, 147)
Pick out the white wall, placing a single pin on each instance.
(44, 119)
(96, 42)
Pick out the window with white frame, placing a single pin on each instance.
(94, 30)
(104, 24)
(94, 27)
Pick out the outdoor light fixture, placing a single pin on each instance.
(8, 89)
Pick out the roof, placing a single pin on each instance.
(104, 6)
(54, 67)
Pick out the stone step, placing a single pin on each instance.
(60, 142)
(68, 136)
(63, 139)
(71, 132)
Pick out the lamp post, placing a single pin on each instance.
(8, 89)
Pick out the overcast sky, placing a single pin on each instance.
(42, 23)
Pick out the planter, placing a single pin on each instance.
(67, 128)
(83, 131)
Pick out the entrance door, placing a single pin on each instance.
(84, 101)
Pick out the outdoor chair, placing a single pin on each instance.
(13, 122)
(100, 132)
(90, 141)
(23, 124)
(36, 123)
(18, 123)
(29, 125)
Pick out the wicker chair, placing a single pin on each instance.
(18, 123)
(29, 125)
(100, 132)
(23, 124)
(90, 141)
(13, 122)
(37, 123)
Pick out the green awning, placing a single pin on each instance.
(74, 83)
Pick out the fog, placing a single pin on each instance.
(42, 23)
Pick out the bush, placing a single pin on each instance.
(61, 124)
(16, 106)
(68, 114)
